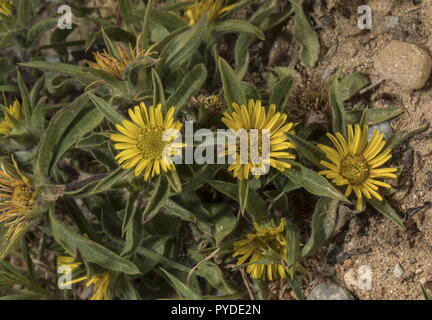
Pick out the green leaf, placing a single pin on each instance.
(231, 85)
(305, 37)
(402, 136)
(39, 27)
(180, 287)
(281, 92)
(96, 184)
(64, 130)
(293, 240)
(158, 90)
(106, 109)
(337, 107)
(90, 251)
(350, 85)
(158, 198)
(224, 221)
(307, 149)
(240, 26)
(109, 45)
(323, 224)
(387, 211)
(426, 294)
(255, 205)
(374, 116)
(174, 209)
(243, 193)
(158, 258)
(313, 182)
(190, 85)
(25, 96)
(178, 51)
(131, 226)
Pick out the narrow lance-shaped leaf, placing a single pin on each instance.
(387, 211)
(90, 251)
(240, 26)
(243, 193)
(255, 205)
(323, 224)
(157, 200)
(375, 116)
(313, 182)
(305, 36)
(307, 149)
(190, 85)
(351, 85)
(158, 90)
(400, 137)
(106, 109)
(231, 85)
(337, 107)
(181, 288)
(281, 92)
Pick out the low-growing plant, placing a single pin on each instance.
(87, 184)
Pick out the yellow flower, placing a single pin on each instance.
(254, 116)
(13, 111)
(116, 65)
(355, 163)
(17, 200)
(101, 281)
(147, 142)
(5, 8)
(254, 248)
(213, 7)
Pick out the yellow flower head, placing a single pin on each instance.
(116, 65)
(101, 281)
(213, 7)
(17, 200)
(255, 116)
(147, 141)
(355, 163)
(13, 111)
(101, 284)
(5, 8)
(255, 247)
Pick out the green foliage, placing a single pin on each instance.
(176, 231)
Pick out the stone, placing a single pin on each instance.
(329, 291)
(350, 278)
(348, 263)
(404, 63)
(384, 127)
(398, 271)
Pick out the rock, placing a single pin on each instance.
(413, 260)
(407, 276)
(329, 291)
(348, 263)
(418, 271)
(405, 63)
(384, 127)
(350, 278)
(398, 271)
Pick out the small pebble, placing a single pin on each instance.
(418, 271)
(348, 263)
(384, 127)
(413, 261)
(398, 271)
(329, 291)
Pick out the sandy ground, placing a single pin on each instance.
(368, 239)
